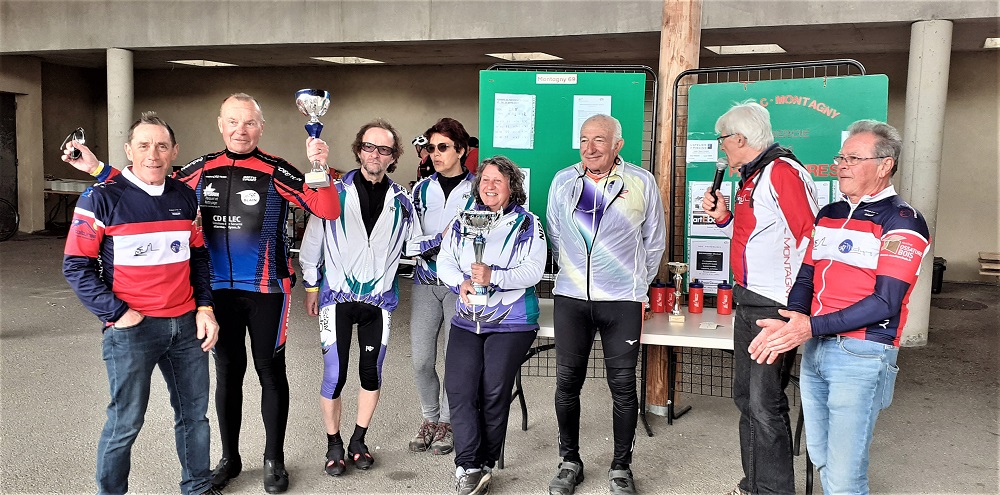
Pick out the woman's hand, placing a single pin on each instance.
(481, 274)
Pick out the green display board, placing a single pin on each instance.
(533, 118)
(809, 116)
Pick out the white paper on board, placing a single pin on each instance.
(585, 107)
(514, 121)
(699, 222)
(702, 150)
(708, 261)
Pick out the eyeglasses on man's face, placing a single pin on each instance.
(442, 147)
(382, 150)
(724, 137)
(851, 160)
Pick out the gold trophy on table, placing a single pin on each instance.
(678, 268)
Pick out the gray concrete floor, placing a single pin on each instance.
(939, 436)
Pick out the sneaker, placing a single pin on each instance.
(474, 482)
(227, 469)
(275, 476)
(425, 435)
(570, 474)
(211, 491)
(444, 440)
(621, 481)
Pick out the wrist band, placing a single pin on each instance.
(205, 308)
(99, 169)
(312, 289)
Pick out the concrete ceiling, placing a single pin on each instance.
(800, 43)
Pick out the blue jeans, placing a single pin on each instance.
(759, 394)
(130, 355)
(845, 383)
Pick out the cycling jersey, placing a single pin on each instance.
(618, 260)
(775, 206)
(860, 268)
(358, 267)
(132, 245)
(435, 214)
(244, 206)
(515, 250)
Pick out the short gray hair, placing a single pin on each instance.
(615, 123)
(750, 120)
(508, 169)
(888, 144)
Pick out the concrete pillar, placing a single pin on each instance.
(121, 101)
(680, 44)
(920, 162)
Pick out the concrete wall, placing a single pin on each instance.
(56, 25)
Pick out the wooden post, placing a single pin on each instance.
(680, 44)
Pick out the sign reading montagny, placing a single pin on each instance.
(808, 116)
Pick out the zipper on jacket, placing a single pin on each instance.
(229, 195)
(590, 249)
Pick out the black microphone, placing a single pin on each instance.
(720, 173)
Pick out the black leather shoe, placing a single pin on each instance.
(226, 470)
(275, 476)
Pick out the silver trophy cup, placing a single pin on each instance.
(313, 103)
(678, 268)
(476, 224)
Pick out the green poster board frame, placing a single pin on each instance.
(552, 144)
(810, 116)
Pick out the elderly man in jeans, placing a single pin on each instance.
(848, 306)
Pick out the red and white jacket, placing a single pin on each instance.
(775, 206)
(132, 245)
(860, 268)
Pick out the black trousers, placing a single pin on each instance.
(479, 376)
(263, 316)
(759, 393)
(620, 325)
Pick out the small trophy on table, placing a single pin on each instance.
(477, 223)
(678, 268)
(313, 103)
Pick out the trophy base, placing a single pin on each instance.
(478, 299)
(676, 318)
(317, 179)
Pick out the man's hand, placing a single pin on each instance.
(481, 274)
(711, 203)
(86, 163)
(208, 328)
(317, 150)
(312, 303)
(464, 290)
(777, 337)
(131, 318)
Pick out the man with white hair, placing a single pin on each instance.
(775, 204)
(607, 236)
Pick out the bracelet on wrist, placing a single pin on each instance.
(205, 308)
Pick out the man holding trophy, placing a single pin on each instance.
(356, 283)
(244, 195)
(492, 256)
(606, 224)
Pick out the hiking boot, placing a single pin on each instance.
(621, 481)
(444, 440)
(425, 435)
(474, 482)
(570, 474)
(227, 469)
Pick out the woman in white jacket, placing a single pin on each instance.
(479, 389)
